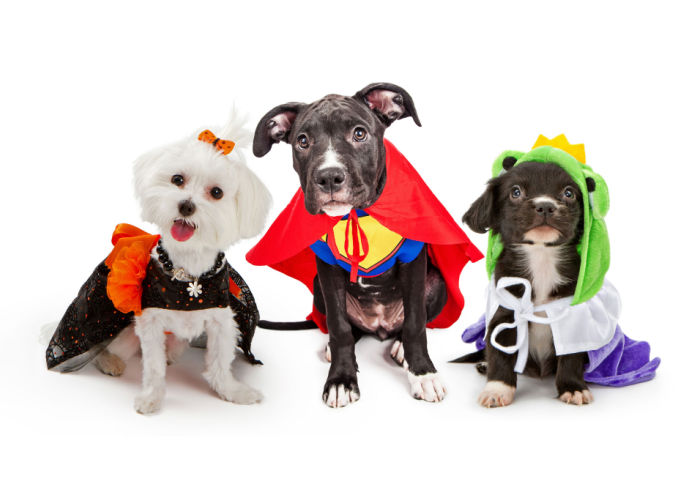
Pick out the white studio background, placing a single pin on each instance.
(86, 87)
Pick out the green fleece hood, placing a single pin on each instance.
(594, 247)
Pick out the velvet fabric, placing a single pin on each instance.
(621, 362)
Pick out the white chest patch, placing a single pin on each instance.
(541, 262)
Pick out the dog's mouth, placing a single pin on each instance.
(336, 208)
(182, 230)
(542, 234)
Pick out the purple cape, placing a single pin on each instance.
(621, 362)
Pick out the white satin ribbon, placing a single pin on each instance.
(524, 312)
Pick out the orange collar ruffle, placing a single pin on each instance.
(127, 263)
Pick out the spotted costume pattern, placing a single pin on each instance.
(91, 321)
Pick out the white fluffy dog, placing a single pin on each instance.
(202, 201)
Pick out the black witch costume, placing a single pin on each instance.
(130, 280)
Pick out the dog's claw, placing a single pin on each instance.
(338, 395)
(147, 404)
(397, 353)
(427, 387)
(577, 398)
(496, 394)
(328, 353)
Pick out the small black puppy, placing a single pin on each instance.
(537, 210)
(339, 155)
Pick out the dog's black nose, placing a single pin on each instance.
(329, 179)
(545, 208)
(186, 207)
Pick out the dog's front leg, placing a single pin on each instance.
(222, 333)
(422, 375)
(341, 385)
(500, 371)
(150, 332)
(571, 387)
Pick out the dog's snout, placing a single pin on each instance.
(545, 208)
(186, 208)
(330, 179)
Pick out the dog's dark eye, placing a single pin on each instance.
(216, 193)
(359, 134)
(177, 179)
(569, 193)
(515, 192)
(303, 141)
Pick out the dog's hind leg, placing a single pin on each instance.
(174, 347)
(222, 333)
(112, 360)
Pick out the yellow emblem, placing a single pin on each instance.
(382, 242)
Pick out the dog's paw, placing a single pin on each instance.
(427, 387)
(496, 394)
(397, 352)
(578, 398)
(240, 394)
(110, 364)
(337, 394)
(147, 404)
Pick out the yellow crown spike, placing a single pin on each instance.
(561, 142)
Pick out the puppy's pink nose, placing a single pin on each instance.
(186, 207)
(545, 208)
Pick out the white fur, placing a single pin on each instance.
(496, 393)
(240, 213)
(427, 387)
(541, 262)
(340, 396)
(330, 159)
(338, 210)
(577, 397)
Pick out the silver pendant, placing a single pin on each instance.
(194, 289)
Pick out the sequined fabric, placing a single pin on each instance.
(91, 322)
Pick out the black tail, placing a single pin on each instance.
(472, 357)
(286, 325)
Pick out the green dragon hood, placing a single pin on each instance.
(594, 247)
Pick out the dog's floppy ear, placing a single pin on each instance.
(481, 215)
(253, 202)
(389, 102)
(275, 126)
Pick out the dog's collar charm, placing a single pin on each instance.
(222, 145)
(194, 288)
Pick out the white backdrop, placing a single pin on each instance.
(87, 87)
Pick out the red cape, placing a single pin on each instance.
(406, 206)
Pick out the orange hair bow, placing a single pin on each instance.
(222, 145)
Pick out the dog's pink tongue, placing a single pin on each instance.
(181, 231)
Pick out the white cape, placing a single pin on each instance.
(580, 328)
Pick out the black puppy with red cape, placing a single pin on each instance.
(391, 264)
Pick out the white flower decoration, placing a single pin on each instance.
(194, 289)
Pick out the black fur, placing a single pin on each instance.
(331, 122)
(507, 207)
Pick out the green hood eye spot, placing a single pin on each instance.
(594, 247)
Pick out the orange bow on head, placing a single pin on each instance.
(222, 145)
